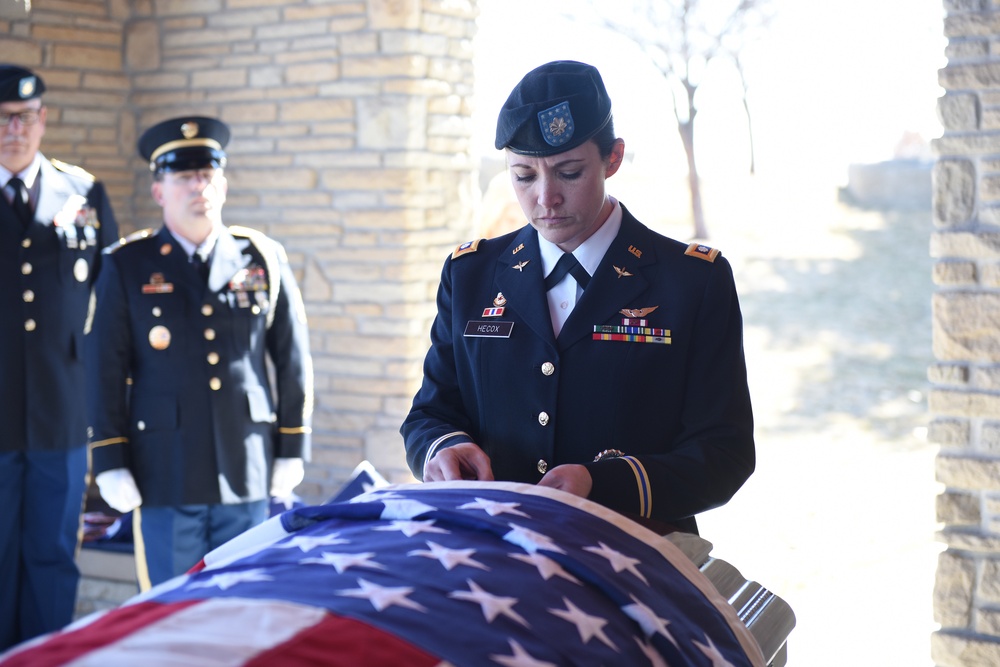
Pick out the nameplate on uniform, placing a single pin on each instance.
(480, 329)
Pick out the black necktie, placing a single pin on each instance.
(20, 202)
(201, 266)
(567, 264)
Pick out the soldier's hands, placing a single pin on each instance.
(570, 477)
(287, 474)
(462, 461)
(118, 488)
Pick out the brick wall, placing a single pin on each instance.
(351, 132)
(965, 397)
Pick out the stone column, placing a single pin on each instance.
(965, 394)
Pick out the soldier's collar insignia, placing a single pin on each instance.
(621, 272)
(520, 265)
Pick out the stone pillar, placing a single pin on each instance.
(965, 394)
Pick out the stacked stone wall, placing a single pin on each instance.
(351, 145)
(77, 49)
(965, 397)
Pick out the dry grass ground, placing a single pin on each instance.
(839, 517)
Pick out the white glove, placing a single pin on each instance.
(118, 489)
(287, 474)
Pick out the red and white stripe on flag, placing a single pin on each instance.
(220, 632)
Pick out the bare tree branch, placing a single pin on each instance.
(681, 38)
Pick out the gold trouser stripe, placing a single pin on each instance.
(83, 509)
(141, 567)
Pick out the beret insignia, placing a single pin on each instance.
(26, 88)
(556, 124)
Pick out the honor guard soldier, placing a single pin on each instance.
(187, 426)
(584, 352)
(54, 220)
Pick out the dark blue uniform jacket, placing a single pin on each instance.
(181, 390)
(679, 411)
(46, 274)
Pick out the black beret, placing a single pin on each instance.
(18, 83)
(189, 142)
(554, 108)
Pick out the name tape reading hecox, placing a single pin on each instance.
(480, 329)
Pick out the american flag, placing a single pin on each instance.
(446, 574)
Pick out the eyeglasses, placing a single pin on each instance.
(27, 117)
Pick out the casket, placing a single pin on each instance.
(450, 573)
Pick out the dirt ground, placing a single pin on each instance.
(838, 519)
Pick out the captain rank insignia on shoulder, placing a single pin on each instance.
(466, 248)
(702, 251)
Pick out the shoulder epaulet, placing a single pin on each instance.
(246, 232)
(262, 241)
(72, 169)
(131, 238)
(466, 248)
(702, 251)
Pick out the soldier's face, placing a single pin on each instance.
(21, 137)
(563, 195)
(192, 201)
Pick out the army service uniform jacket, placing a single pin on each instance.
(181, 394)
(46, 274)
(650, 362)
